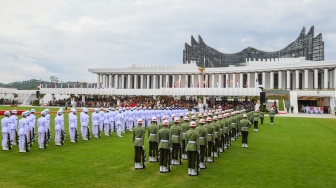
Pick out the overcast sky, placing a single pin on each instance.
(43, 38)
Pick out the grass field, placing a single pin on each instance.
(294, 152)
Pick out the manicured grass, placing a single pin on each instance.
(294, 152)
(281, 105)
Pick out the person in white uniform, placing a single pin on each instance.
(85, 124)
(73, 122)
(95, 122)
(41, 129)
(59, 127)
(13, 121)
(5, 130)
(107, 122)
(23, 129)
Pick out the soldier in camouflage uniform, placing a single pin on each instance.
(255, 120)
(192, 149)
(138, 143)
(164, 146)
(153, 131)
(245, 126)
(202, 132)
(210, 137)
(271, 115)
(185, 128)
(176, 135)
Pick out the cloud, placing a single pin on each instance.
(65, 38)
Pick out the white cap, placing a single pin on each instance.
(7, 113)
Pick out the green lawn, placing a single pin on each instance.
(294, 152)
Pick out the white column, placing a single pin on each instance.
(206, 81)
(315, 78)
(241, 83)
(264, 79)
(179, 81)
(167, 81)
(135, 81)
(227, 80)
(122, 81)
(306, 79)
(101, 81)
(288, 80)
(173, 80)
(326, 79)
(128, 81)
(271, 80)
(199, 81)
(147, 81)
(297, 73)
(186, 81)
(161, 81)
(213, 80)
(234, 80)
(256, 79)
(192, 83)
(280, 80)
(154, 82)
(98, 80)
(219, 81)
(141, 81)
(110, 77)
(248, 81)
(116, 81)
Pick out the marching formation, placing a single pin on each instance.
(197, 139)
(172, 138)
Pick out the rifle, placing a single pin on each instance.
(88, 134)
(27, 144)
(9, 142)
(62, 137)
(143, 157)
(76, 135)
(30, 138)
(170, 156)
(45, 140)
(99, 132)
(197, 163)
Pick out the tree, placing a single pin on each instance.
(54, 79)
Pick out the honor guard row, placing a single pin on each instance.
(199, 141)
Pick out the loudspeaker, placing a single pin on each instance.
(262, 97)
(37, 94)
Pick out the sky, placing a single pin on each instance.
(64, 38)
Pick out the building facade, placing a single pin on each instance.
(306, 45)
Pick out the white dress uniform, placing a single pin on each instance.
(41, 129)
(5, 130)
(13, 121)
(95, 123)
(131, 117)
(33, 121)
(101, 119)
(23, 128)
(119, 118)
(59, 126)
(48, 122)
(73, 122)
(84, 119)
(107, 123)
(111, 118)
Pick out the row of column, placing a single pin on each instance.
(228, 80)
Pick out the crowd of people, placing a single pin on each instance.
(315, 109)
(8, 102)
(174, 134)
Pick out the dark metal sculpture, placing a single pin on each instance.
(306, 45)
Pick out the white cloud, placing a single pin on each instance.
(65, 38)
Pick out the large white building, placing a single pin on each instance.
(304, 80)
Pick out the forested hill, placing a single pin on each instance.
(24, 85)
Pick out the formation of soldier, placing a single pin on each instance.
(199, 140)
(172, 138)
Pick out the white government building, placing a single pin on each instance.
(304, 80)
